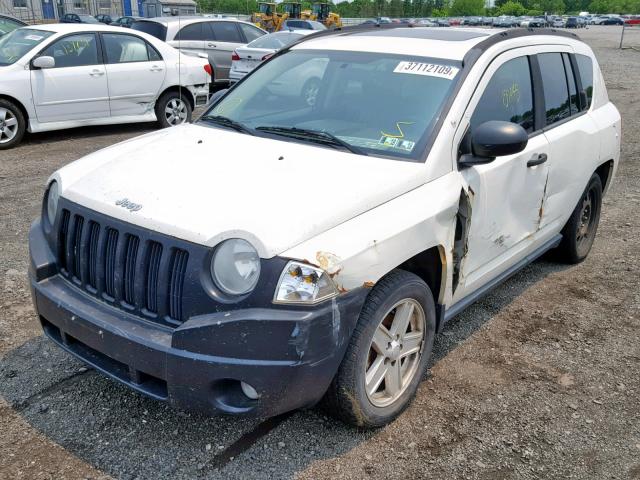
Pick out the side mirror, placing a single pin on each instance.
(44, 62)
(494, 139)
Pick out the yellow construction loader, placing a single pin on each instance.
(292, 9)
(268, 17)
(321, 12)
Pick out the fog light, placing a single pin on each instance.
(249, 391)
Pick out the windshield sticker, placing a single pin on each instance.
(428, 69)
(395, 142)
(35, 38)
(399, 133)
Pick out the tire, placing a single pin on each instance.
(180, 107)
(12, 124)
(580, 230)
(310, 90)
(347, 397)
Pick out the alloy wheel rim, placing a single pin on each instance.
(586, 218)
(8, 125)
(394, 353)
(176, 111)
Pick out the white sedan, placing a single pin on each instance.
(248, 57)
(64, 76)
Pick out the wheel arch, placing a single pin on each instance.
(18, 104)
(431, 266)
(605, 172)
(182, 90)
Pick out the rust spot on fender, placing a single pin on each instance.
(368, 284)
(329, 262)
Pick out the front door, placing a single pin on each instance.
(135, 72)
(76, 88)
(505, 196)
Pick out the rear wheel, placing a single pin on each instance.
(388, 353)
(12, 125)
(580, 231)
(173, 109)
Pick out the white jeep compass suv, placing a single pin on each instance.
(276, 253)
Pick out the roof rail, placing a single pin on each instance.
(493, 38)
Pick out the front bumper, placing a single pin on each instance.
(289, 355)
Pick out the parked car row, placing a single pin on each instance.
(125, 21)
(505, 21)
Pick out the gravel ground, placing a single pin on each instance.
(541, 379)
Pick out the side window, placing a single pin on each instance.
(556, 95)
(574, 103)
(121, 48)
(250, 33)
(154, 56)
(191, 32)
(74, 51)
(508, 96)
(585, 67)
(226, 32)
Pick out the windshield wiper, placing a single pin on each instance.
(317, 136)
(227, 122)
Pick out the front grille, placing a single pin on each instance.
(122, 268)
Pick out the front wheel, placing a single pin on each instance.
(388, 353)
(173, 109)
(12, 125)
(580, 231)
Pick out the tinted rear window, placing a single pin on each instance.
(152, 28)
(226, 32)
(556, 93)
(585, 66)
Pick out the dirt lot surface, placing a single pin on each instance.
(541, 379)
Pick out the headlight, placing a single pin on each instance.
(52, 201)
(235, 267)
(301, 283)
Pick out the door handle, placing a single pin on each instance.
(156, 68)
(211, 45)
(96, 73)
(537, 159)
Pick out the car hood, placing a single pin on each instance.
(205, 184)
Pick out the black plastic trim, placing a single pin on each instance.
(456, 308)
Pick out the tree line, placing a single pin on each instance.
(441, 8)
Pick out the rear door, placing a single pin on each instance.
(76, 88)
(221, 39)
(135, 71)
(571, 131)
(190, 38)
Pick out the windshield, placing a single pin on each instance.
(152, 28)
(275, 41)
(380, 104)
(8, 25)
(16, 44)
(88, 19)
